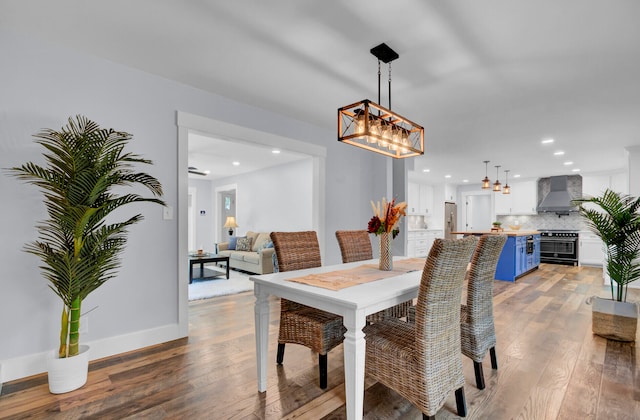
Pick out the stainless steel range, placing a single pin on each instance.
(559, 246)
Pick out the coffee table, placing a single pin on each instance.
(206, 259)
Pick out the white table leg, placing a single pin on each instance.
(261, 310)
(354, 354)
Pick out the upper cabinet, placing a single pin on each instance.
(595, 185)
(522, 200)
(420, 198)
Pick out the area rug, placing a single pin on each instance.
(219, 286)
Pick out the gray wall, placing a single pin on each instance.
(42, 85)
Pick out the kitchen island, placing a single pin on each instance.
(520, 255)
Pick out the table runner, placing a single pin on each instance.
(341, 279)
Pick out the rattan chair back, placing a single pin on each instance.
(301, 324)
(477, 330)
(422, 361)
(355, 245)
(480, 278)
(296, 250)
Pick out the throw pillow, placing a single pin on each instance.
(243, 244)
(274, 259)
(232, 242)
(259, 241)
(268, 244)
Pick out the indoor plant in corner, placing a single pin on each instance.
(615, 219)
(79, 249)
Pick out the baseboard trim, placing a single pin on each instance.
(33, 364)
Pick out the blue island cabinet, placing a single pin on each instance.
(518, 257)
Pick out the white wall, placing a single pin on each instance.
(42, 85)
(273, 199)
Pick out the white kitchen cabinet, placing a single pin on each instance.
(523, 199)
(502, 203)
(595, 185)
(411, 246)
(419, 198)
(426, 198)
(591, 251)
(419, 242)
(413, 198)
(620, 183)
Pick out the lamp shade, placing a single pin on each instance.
(231, 222)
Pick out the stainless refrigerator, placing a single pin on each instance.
(450, 220)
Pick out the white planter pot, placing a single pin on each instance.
(68, 373)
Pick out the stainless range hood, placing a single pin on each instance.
(558, 196)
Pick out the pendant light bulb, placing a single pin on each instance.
(486, 182)
(497, 185)
(507, 188)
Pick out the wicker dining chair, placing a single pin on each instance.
(422, 361)
(477, 329)
(318, 330)
(355, 245)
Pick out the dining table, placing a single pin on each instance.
(352, 290)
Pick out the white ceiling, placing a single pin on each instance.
(487, 79)
(219, 157)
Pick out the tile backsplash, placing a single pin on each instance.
(545, 221)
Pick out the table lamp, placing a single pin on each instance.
(230, 223)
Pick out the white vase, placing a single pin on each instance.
(68, 373)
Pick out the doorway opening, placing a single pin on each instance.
(189, 123)
(477, 211)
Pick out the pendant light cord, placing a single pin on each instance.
(379, 81)
(389, 86)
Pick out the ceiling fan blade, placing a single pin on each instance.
(195, 171)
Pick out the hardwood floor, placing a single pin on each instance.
(550, 367)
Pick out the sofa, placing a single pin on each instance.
(252, 252)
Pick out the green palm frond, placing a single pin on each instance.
(617, 223)
(78, 249)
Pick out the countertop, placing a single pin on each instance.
(504, 232)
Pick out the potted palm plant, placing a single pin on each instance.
(614, 217)
(79, 249)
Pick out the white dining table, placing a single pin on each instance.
(352, 303)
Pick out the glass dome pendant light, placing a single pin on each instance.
(507, 188)
(486, 182)
(496, 185)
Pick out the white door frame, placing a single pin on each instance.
(187, 122)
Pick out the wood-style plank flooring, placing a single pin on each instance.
(550, 367)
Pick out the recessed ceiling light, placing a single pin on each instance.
(447, 176)
(547, 141)
(516, 176)
(426, 170)
(568, 163)
(275, 151)
(558, 153)
(465, 180)
(575, 170)
(236, 163)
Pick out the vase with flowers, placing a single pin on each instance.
(384, 224)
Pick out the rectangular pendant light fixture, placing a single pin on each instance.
(373, 127)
